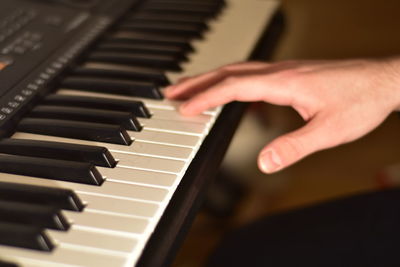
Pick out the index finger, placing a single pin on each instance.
(189, 86)
(241, 88)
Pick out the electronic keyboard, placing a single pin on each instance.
(97, 168)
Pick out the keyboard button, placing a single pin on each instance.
(124, 119)
(119, 205)
(96, 155)
(163, 28)
(166, 138)
(149, 163)
(106, 133)
(24, 236)
(136, 107)
(113, 86)
(108, 222)
(147, 177)
(199, 11)
(148, 102)
(165, 62)
(151, 39)
(94, 239)
(7, 264)
(54, 197)
(63, 170)
(174, 126)
(64, 256)
(175, 18)
(170, 50)
(32, 215)
(122, 71)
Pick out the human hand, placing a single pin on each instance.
(340, 100)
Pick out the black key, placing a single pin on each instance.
(185, 9)
(124, 119)
(108, 70)
(145, 17)
(63, 170)
(96, 155)
(151, 39)
(24, 236)
(210, 3)
(179, 29)
(136, 107)
(166, 62)
(215, 5)
(169, 50)
(7, 264)
(32, 215)
(168, 17)
(41, 195)
(105, 133)
(113, 86)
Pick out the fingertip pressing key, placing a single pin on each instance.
(183, 108)
(169, 91)
(186, 109)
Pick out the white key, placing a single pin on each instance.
(151, 149)
(76, 236)
(33, 263)
(148, 163)
(77, 256)
(173, 115)
(139, 176)
(165, 138)
(108, 188)
(174, 126)
(110, 222)
(116, 205)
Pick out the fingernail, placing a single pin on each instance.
(270, 161)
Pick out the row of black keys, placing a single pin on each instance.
(153, 39)
(27, 210)
(156, 39)
(107, 120)
(88, 118)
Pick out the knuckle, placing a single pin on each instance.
(225, 70)
(231, 80)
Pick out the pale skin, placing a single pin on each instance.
(340, 100)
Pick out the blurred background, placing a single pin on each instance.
(315, 29)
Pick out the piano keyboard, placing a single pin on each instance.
(90, 170)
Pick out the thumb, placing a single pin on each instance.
(290, 148)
